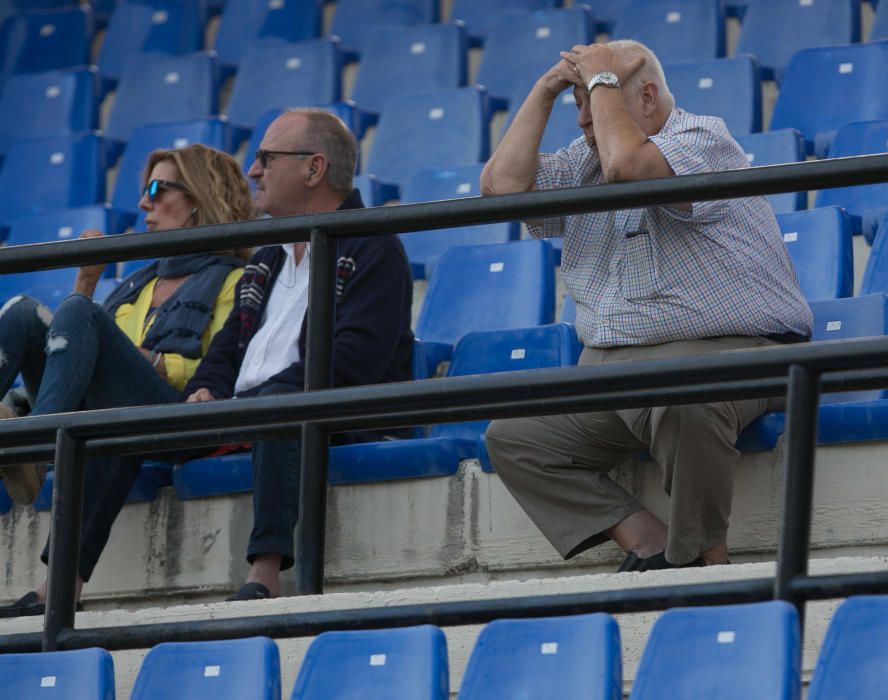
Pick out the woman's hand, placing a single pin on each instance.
(157, 361)
(200, 395)
(93, 272)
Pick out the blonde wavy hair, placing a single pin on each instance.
(214, 182)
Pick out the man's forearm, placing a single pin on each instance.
(617, 137)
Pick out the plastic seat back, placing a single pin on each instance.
(227, 670)
(172, 27)
(441, 129)
(85, 674)
(305, 73)
(730, 88)
(850, 87)
(63, 224)
(488, 287)
(34, 42)
(579, 655)
(675, 30)
(606, 12)
(879, 27)
(867, 204)
(727, 652)
(479, 17)
(54, 103)
(403, 60)
(774, 31)
(819, 243)
(851, 663)
(774, 148)
(355, 20)
(409, 662)
(526, 44)
(875, 275)
(424, 248)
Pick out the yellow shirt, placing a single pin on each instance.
(130, 318)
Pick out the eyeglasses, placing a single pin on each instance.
(264, 156)
(154, 188)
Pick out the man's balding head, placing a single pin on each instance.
(650, 72)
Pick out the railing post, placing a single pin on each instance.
(798, 482)
(64, 537)
(315, 440)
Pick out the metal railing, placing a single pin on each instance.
(798, 371)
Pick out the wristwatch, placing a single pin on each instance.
(605, 78)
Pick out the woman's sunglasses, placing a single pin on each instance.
(154, 188)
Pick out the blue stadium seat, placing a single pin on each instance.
(774, 31)
(39, 174)
(561, 129)
(355, 20)
(145, 139)
(85, 674)
(34, 42)
(441, 129)
(64, 224)
(579, 655)
(675, 30)
(875, 275)
(850, 82)
(725, 652)
(569, 310)
(304, 74)
(730, 88)
(158, 89)
(401, 60)
(851, 663)
(525, 45)
(879, 27)
(819, 243)
(152, 476)
(425, 247)
(245, 23)
(479, 17)
(230, 669)
(370, 189)
(55, 103)
(171, 27)
(776, 147)
(605, 12)
(408, 662)
(867, 204)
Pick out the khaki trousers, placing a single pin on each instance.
(557, 467)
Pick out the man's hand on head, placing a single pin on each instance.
(586, 61)
(200, 395)
(558, 78)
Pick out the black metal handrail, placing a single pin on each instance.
(800, 371)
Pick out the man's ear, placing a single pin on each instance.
(650, 98)
(317, 168)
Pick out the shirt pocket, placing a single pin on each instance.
(638, 277)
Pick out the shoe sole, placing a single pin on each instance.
(22, 482)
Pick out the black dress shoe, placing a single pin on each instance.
(28, 605)
(659, 561)
(632, 562)
(250, 591)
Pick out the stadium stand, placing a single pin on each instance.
(730, 88)
(731, 651)
(224, 670)
(820, 245)
(774, 31)
(443, 129)
(851, 663)
(145, 139)
(875, 275)
(425, 247)
(409, 662)
(666, 27)
(403, 60)
(522, 45)
(306, 73)
(159, 89)
(867, 204)
(34, 42)
(39, 174)
(64, 224)
(479, 17)
(773, 148)
(82, 673)
(849, 88)
(245, 23)
(54, 103)
(579, 655)
(169, 27)
(355, 20)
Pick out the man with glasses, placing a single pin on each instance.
(304, 166)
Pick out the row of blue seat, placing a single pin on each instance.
(729, 652)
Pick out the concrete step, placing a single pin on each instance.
(634, 628)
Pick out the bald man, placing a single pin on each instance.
(681, 279)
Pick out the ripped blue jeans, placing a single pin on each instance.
(75, 359)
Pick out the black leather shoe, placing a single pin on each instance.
(28, 605)
(659, 561)
(250, 591)
(632, 562)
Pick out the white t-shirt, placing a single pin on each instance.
(276, 344)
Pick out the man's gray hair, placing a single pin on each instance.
(650, 72)
(329, 135)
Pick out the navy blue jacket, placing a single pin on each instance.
(372, 340)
